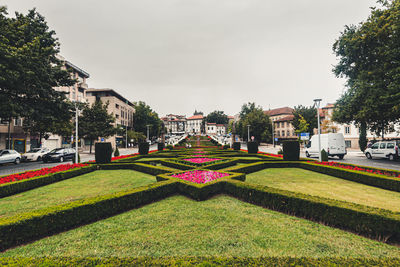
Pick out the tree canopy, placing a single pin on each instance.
(218, 117)
(95, 122)
(260, 123)
(369, 59)
(29, 71)
(144, 116)
(305, 116)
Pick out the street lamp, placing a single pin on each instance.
(76, 128)
(248, 133)
(316, 103)
(148, 132)
(126, 126)
(273, 133)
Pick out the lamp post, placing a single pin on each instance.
(317, 103)
(76, 128)
(248, 133)
(273, 133)
(148, 132)
(126, 127)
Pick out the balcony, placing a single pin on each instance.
(83, 85)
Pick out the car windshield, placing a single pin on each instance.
(34, 150)
(57, 150)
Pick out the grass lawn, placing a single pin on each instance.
(80, 187)
(149, 159)
(222, 226)
(313, 183)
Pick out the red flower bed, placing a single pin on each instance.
(271, 155)
(41, 172)
(356, 168)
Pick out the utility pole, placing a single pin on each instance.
(248, 133)
(76, 131)
(317, 103)
(148, 132)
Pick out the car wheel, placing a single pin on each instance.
(341, 156)
(307, 154)
(391, 157)
(39, 158)
(17, 161)
(61, 159)
(368, 155)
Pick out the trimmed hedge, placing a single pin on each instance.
(236, 146)
(372, 222)
(103, 152)
(252, 147)
(9, 189)
(160, 146)
(200, 261)
(26, 227)
(141, 167)
(144, 148)
(176, 164)
(291, 150)
(381, 181)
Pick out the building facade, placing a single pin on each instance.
(175, 124)
(194, 124)
(120, 107)
(282, 119)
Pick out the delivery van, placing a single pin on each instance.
(332, 143)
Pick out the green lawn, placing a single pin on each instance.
(80, 187)
(222, 226)
(313, 183)
(149, 159)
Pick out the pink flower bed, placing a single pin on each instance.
(201, 160)
(200, 177)
(41, 172)
(356, 168)
(199, 155)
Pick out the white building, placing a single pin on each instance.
(221, 129)
(193, 124)
(211, 128)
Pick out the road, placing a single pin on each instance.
(353, 157)
(6, 169)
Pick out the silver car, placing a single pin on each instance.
(9, 156)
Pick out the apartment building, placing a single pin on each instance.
(194, 124)
(12, 134)
(350, 131)
(282, 119)
(119, 106)
(175, 124)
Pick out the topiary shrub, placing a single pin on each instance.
(226, 146)
(236, 146)
(170, 147)
(103, 152)
(144, 148)
(291, 150)
(280, 152)
(324, 155)
(252, 147)
(116, 152)
(160, 146)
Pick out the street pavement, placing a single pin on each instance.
(6, 169)
(353, 157)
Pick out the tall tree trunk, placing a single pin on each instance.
(91, 142)
(40, 139)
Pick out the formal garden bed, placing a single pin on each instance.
(238, 207)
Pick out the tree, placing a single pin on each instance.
(328, 127)
(218, 117)
(303, 125)
(368, 57)
(29, 70)
(144, 116)
(260, 124)
(309, 114)
(95, 122)
(136, 136)
(362, 140)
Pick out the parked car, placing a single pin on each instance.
(384, 149)
(60, 154)
(332, 143)
(9, 156)
(35, 154)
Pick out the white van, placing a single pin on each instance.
(332, 143)
(384, 149)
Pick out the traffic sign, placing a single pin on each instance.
(305, 136)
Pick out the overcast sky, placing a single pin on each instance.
(182, 55)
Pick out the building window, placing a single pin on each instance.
(348, 143)
(283, 133)
(347, 129)
(288, 133)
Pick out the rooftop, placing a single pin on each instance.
(279, 111)
(111, 92)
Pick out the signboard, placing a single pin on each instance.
(276, 139)
(304, 136)
(102, 139)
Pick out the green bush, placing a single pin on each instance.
(324, 155)
(291, 150)
(170, 147)
(252, 147)
(280, 152)
(141, 167)
(236, 146)
(9, 189)
(144, 148)
(116, 152)
(226, 146)
(23, 228)
(160, 146)
(103, 153)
